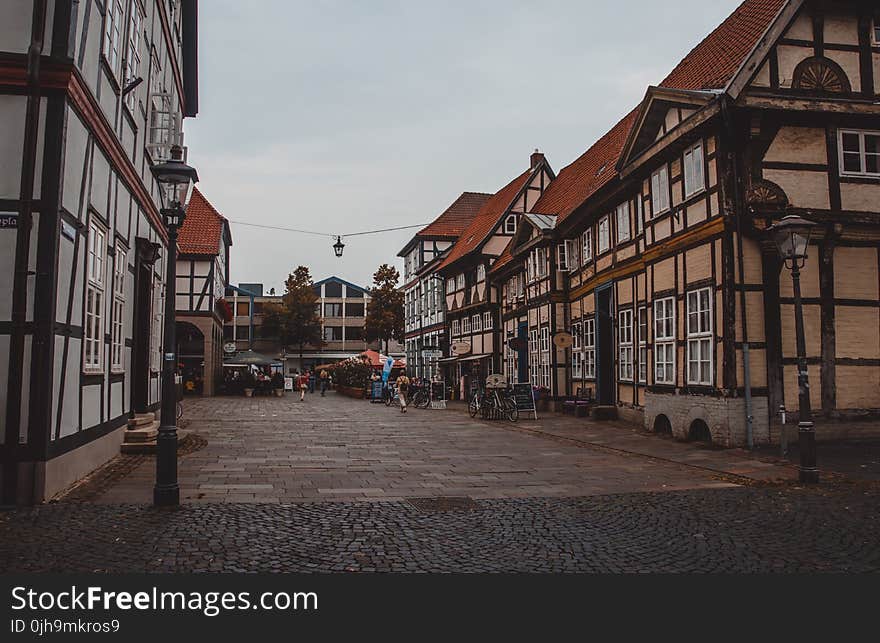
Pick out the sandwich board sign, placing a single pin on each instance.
(525, 397)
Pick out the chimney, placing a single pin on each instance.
(536, 158)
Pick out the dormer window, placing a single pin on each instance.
(510, 224)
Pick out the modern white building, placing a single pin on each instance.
(92, 94)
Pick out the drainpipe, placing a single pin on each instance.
(738, 204)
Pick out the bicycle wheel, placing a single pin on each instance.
(511, 411)
(179, 410)
(421, 400)
(474, 406)
(388, 398)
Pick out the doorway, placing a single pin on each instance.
(522, 353)
(605, 345)
(145, 256)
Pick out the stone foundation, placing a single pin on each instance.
(724, 416)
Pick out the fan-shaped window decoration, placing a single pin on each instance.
(766, 194)
(822, 75)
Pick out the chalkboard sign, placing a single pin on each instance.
(438, 395)
(376, 391)
(525, 397)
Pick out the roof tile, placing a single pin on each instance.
(202, 228)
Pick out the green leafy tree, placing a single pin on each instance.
(384, 319)
(295, 321)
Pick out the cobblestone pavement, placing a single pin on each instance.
(338, 449)
(738, 529)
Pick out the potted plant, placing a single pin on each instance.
(278, 384)
(249, 383)
(541, 393)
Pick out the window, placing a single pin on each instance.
(664, 341)
(242, 309)
(459, 282)
(465, 325)
(541, 261)
(694, 176)
(699, 336)
(450, 285)
(477, 323)
(157, 324)
(533, 356)
(587, 246)
(456, 330)
(562, 256)
(643, 344)
(625, 345)
(332, 333)
(112, 28)
(640, 225)
(604, 236)
(590, 348)
(133, 51)
(93, 331)
(576, 351)
(354, 310)
(859, 153)
(332, 310)
(622, 211)
(545, 356)
(510, 224)
(487, 321)
(660, 191)
(481, 273)
(117, 335)
(354, 333)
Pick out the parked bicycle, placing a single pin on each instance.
(421, 397)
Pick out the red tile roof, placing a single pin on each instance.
(202, 229)
(710, 65)
(487, 219)
(456, 217)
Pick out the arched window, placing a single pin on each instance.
(818, 74)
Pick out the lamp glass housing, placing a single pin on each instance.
(338, 247)
(792, 237)
(175, 177)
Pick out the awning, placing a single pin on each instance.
(474, 358)
(447, 360)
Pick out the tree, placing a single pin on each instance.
(295, 321)
(385, 310)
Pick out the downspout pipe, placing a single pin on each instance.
(740, 213)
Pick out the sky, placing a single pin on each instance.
(341, 117)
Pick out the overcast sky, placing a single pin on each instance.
(340, 117)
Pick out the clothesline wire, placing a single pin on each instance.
(326, 234)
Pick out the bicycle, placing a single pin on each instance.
(421, 398)
(500, 404)
(391, 396)
(475, 405)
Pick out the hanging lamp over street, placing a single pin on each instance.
(338, 247)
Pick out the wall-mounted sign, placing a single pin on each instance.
(229, 347)
(8, 220)
(563, 340)
(460, 348)
(68, 230)
(432, 354)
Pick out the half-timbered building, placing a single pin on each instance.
(202, 277)
(426, 337)
(681, 311)
(92, 93)
(472, 302)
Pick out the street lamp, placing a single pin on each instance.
(792, 237)
(338, 247)
(177, 178)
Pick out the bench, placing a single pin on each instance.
(580, 405)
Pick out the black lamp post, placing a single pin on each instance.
(338, 247)
(792, 237)
(177, 178)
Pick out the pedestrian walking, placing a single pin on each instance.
(402, 389)
(303, 381)
(325, 381)
(311, 381)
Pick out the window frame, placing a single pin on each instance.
(691, 190)
(459, 281)
(466, 325)
(111, 50)
(132, 49)
(607, 225)
(487, 321)
(455, 328)
(656, 192)
(587, 246)
(642, 336)
(562, 256)
(93, 352)
(863, 153)
(117, 331)
(589, 366)
(477, 323)
(623, 232)
(664, 341)
(625, 345)
(508, 228)
(699, 337)
(481, 273)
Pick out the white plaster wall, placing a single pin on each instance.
(16, 17)
(74, 158)
(12, 116)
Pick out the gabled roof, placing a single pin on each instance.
(457, 216)
(203, 228)
(488, 217)
(543, 223)
(452, 221)
(712, 64)
(342, 281)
